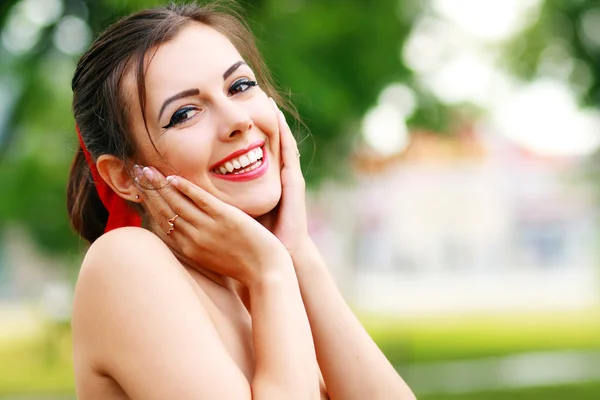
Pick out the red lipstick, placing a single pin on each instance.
(235, 154)
(244, 176)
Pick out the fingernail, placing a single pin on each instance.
(148, 173)
(172, 179)
(273, 102)
(137, 171)
(282, 114)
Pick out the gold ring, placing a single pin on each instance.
(171, 222)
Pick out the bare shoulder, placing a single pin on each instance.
(123, 265)
(125, 250)
(136, 315)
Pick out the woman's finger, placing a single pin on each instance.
(158, 208)
(289, 147)
(176, 224)
(177, 200)
(162, 211)
(176, 203)
(212, 206)
(292, 179)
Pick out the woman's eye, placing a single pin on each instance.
(181, 115)
(241, 85)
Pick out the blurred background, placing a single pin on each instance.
(453, 171)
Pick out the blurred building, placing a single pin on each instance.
(461, 224)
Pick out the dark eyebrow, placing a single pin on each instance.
(195, 92)
(180, 95)
(232, 69)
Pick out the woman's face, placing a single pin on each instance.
(209, 120)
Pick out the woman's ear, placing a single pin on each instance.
(114, 172)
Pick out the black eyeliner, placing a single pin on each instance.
(242, 81)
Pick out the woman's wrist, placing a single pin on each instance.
(283, 276)
(303, 251)
(300, 246)
(276, 266)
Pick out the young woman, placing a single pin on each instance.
(222, 294)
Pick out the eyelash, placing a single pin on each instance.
(244, 81)
(182, 112)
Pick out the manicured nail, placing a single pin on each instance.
(282, 114)
(148, 173)
(137, 171)
(172, 179)
(273, 102)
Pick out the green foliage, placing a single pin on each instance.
(559, 45)
(35, 167)
(335, 57)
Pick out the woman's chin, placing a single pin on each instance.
(261, 206)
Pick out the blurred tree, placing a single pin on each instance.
(564, 44)
(334, 57)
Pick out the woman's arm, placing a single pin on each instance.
(138, 320)
(352, 365)
(286, 365)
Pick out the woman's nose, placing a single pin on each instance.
(236, 121)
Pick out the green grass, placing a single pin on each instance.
(420, 340)
(44, 366)
(586, 391)
(38, 366)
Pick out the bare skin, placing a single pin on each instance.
(235, 303)
(116, 356)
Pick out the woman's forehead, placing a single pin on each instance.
(195, 58)
(196, 53)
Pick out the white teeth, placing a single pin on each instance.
(238, 165)
(258, 164)
(252, 157)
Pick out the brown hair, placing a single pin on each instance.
(100, 106)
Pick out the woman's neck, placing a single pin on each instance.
(269, 219)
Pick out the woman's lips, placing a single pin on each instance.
(235, 154)
(249, 175)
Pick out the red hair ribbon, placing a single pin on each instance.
(120, 214)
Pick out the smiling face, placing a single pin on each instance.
(209, 120)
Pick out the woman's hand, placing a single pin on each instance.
(290, 219)
(208, 231)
